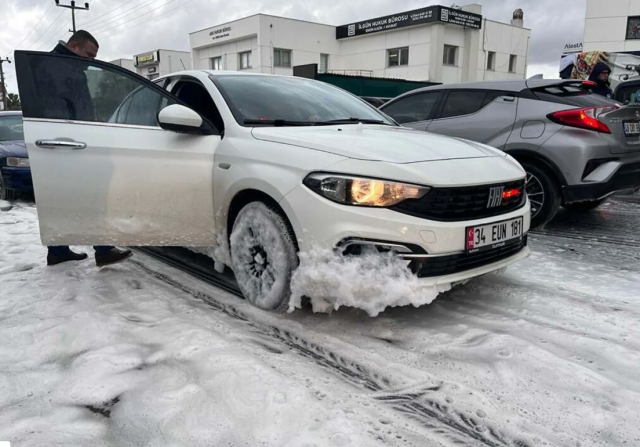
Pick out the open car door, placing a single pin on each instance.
(104, 170)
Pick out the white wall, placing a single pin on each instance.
(504, 40)
(172, 61)
(605, 25)
(124, 63)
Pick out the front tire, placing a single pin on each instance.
(264, 256)
(543, 192)
(582, 207)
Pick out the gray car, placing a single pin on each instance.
(578, 148)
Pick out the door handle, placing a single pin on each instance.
(55, 144)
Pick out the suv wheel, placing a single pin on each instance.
(543, 193)
(264, 256)
(587, 205)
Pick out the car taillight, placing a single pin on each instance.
(586, 118)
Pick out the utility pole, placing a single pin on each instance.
(3, 90)
(73, 8)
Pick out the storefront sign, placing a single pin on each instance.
(573, 48)
(220, 33)
(430, 14)
(151, 69)
(146, 59)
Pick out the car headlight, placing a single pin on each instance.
(360, 191)
(18, 162)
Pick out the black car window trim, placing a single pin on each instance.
(105, 66)
(435, 107)
(178, 82)
(446, 94)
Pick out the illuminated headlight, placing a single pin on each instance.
(362, 191)
(15, 162)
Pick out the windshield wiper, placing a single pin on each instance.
(351, 121)
(279, 123)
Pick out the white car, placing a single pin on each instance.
(285, 164)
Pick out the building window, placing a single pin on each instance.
(216, 63)
(491, 61)
(513, 63)
(324, 63)
(633, 27)
(397, 57)
(450, 56)
(281, 58)
(244, 60)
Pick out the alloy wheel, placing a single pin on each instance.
(536, 195)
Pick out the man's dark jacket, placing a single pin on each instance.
(72, 99)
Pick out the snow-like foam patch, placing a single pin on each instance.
(372, 281)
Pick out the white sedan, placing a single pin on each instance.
(268, 166)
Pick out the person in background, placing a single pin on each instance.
(600, 75)
(79, 106)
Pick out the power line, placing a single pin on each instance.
(34, 28)
(136, 18)
(48, 28)
(72, 6)
(121, 15)
(84, 25)
(64, 30)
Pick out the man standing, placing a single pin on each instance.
(80, 107)
(600, 75)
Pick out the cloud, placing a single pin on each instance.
(128, 27)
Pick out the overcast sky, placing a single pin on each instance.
(128, 27)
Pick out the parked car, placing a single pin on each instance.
(284, 164)
(15, 173)
(577, 148)
(628, 92)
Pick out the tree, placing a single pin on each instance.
(13, 102)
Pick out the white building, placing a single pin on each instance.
(161, 62)
(435, 43)
(124, 63)
(612, 25)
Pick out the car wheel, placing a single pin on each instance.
(264, 256)
(543, 193)
(587, 205)
(6, 194)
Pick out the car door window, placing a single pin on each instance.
(492, 95)
(462, 102)
(195, 95)
(72, 88)
(413, 108)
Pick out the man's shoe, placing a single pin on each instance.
(70, 256)
(112, 256)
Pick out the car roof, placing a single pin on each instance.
(505, 86)
(11, 113)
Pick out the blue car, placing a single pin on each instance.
(15, 171)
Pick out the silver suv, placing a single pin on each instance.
(578, 148)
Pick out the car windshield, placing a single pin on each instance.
(11, 128)
(271, 100)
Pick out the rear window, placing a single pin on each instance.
(570, 94)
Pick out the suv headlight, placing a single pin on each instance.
(360, 191)
(15, 162)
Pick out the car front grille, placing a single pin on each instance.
(463, 203)
(450, 264)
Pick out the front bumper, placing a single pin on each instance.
(625, 177)
(320, 223)
(17, 179)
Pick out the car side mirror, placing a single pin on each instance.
(181, 119)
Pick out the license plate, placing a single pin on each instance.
(631, 128)
(494, 235)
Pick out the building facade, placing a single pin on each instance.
(124, 63)
(435, 43)
(153, 64)
(612, 26)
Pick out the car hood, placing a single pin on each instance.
(13, 149)
(377, 143)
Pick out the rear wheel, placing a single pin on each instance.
(543, 193)
(6, 194)
(264, 255)
(587, 205)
